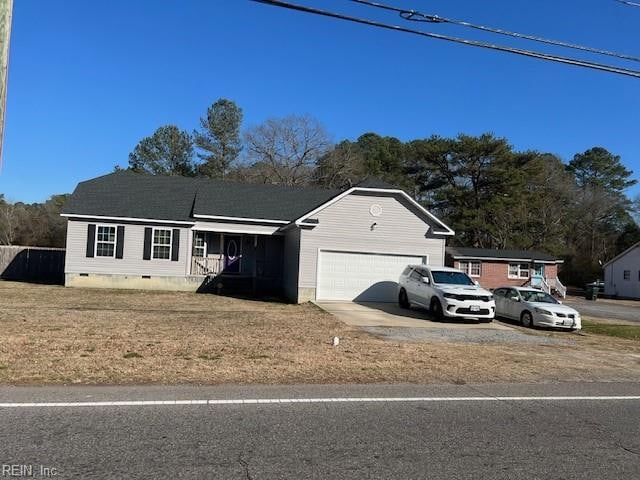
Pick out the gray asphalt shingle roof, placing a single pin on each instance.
(258, 201)
(133, 195)
(499, 254)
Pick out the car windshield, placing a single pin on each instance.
(453, 278)
(535, 296)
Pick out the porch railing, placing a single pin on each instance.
(204, 266)
(545, 286)
(557, 285)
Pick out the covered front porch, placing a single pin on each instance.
(237, 262)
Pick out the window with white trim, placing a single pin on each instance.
(161, 245)
(105, 241)
(199, 245)
(518, 270)
(473, 269)
(627, 274)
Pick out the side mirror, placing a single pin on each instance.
(515, 299)
(477, 283)
(426, 280)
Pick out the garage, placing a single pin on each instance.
(361, 276)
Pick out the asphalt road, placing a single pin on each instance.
(607, 310)
(442, 439)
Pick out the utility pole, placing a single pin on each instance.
(6, 9)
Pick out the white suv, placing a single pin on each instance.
(446, 292)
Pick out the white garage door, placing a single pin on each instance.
(364, 277)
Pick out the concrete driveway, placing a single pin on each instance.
(392, 323)
(372, 314)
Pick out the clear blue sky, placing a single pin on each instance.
(89, 79)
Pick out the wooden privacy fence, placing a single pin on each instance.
(32, 264)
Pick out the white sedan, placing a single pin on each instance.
(534, 308)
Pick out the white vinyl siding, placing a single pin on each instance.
(622, 276)
(132, 263)
(348, 225)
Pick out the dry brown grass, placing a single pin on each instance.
(56, 335)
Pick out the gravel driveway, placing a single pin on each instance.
(449, 335)
(390, 322)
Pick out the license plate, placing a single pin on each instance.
(474, 308)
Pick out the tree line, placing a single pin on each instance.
(35, 224)
(491, 194)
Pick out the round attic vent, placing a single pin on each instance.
(375, 210)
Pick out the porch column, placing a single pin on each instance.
(255, 264)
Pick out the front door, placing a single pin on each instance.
(538, 270)
(537, 275)
(232, 253)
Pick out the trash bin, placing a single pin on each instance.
(591, 293)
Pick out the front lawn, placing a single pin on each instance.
(629, 332)
(57, 335)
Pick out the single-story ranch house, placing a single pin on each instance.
(622, 274)
(495, 268)
(128, 230)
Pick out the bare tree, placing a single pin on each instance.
(286, 150)
(341, 167)
(9, 215)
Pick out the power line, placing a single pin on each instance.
(627, 2)
(414, 15)
(473, 43)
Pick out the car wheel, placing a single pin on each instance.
(403, 300)
(436, 309)
(526, 320)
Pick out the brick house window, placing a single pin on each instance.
(473, 269)
(519, 270)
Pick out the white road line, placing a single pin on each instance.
(253, 401)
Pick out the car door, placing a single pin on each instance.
(513, 307)
(499, 298)
(421, 291)
(411, 286)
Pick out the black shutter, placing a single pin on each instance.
(120, 242)
(146, 255)
(91, 240)
(175, 244)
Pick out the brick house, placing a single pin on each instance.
(495, 268)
